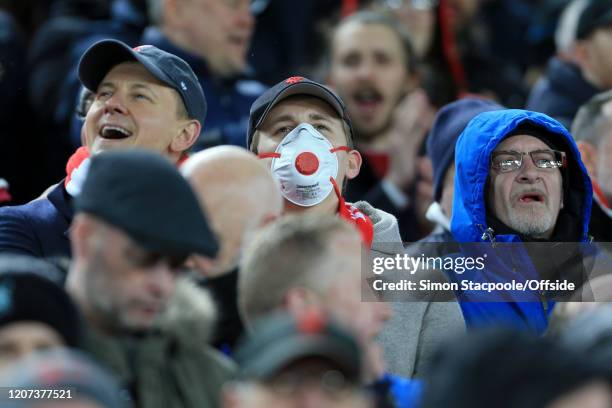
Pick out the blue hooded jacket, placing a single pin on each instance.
(469, 223)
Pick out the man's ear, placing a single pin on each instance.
(297, 300)
(201, 265)
(231, 396)
(300, 300)
(582, 54)
(329, 79)
(588, 153)
(187, 136)
(80, 232)
(353, 164)
(255, 142)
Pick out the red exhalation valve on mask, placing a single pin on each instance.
(307, 163)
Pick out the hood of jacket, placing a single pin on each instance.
(472, 157)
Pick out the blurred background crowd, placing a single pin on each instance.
(497, 49)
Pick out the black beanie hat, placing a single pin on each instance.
(29, 291)
(448, 124)
(553, 140)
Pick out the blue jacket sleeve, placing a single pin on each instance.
(17, 234)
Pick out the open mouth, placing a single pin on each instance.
(531, 198)
(114, 132)
(367, 96)
(237, 40)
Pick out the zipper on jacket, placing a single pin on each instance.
(487, 234)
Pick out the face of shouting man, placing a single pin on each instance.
(528, 198)
(370, 72)
(132, 108)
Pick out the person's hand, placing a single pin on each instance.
(411, 121)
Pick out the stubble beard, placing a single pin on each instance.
(534, 220)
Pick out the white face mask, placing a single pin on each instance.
(305, 164)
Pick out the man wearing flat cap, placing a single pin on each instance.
(143, 98)
(129, 241)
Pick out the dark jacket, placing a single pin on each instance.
(481, 235)
(561, 92)
(368, 187)
(228, 100)
(172, 366)
(229, 326)
(40, 227)
(601, 224)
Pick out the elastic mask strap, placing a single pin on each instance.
(267, 155)
(336, 189)
(277, 155)
(331, 179)
(340, 148)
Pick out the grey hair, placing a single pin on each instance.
(589, 120)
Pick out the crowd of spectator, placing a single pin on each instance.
(193, 194)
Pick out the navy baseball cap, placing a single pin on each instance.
(168, 68)
(596, 14)
(278, 340)
(295, 85)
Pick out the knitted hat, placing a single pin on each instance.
(447, 126)
(29, 291)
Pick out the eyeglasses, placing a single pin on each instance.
(505, 161)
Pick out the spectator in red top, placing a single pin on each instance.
(373, 68)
